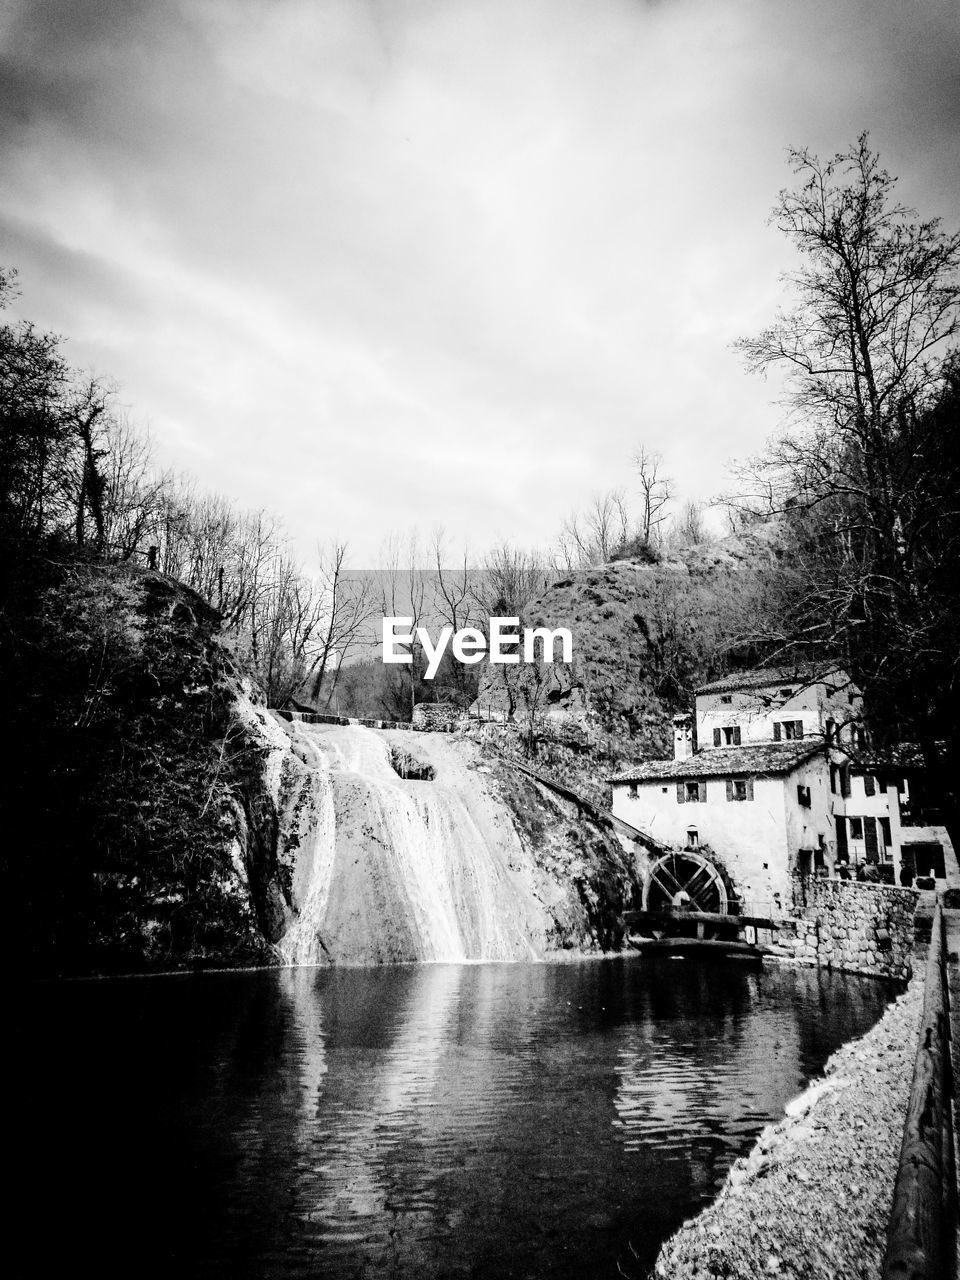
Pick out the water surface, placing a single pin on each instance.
(410, 1121)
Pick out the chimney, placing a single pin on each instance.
(682, 737)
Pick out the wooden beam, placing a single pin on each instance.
(698, 917)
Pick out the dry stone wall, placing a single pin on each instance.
(862, 928)
(436, 717)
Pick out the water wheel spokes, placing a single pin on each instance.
(686, 880)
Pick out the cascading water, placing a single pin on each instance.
(391, 869)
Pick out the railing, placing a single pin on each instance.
(318, 717)
(922, 1230)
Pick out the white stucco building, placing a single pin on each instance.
(773, 776)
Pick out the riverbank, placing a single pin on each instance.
(811, 1200)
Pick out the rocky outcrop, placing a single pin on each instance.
(130, 780)
(644, 635)
(409, 767)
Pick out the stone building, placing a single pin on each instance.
(774, 776)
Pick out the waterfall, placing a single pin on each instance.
(388, 869)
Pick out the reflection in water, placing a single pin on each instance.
(439, 1120)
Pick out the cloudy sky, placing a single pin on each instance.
(382, 263)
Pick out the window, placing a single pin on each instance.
(845, 781)
(633, 791)
(856, 828)
(927, 859)
(787, 730)
(728, 736)
(831, 730)
(739, 788)
(693, 838)
(869, 784)
(803, 795)
(887, 839)
(691, 792)
(786, 693)
(727, 697)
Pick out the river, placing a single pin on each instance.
(485, 1120)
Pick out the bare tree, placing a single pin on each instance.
(689, 529)
(592, 536)
(656, 491)
(866, 473)
(404, 594)
(347, 607)
(511, 579)
(133, 490)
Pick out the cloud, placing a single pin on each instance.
(443, 261)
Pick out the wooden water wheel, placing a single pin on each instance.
(685, 880)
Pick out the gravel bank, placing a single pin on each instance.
(810, 1202)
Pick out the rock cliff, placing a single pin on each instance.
(131, 781)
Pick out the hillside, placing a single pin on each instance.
(644, 636)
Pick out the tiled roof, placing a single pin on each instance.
(901, 755)
(770, 758)
(760, 677)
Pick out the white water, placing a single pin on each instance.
(393, 869)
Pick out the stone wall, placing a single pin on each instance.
(438, 717)
(844, 924)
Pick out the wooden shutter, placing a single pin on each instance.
(736, 735)
(841, 839)
(870, 838)
(869, 784)
(845, 780)
(730, 795)
(681, 797)
(777, 731)
(885, 829)
(749, 788)
(716, 737)
(798, 728)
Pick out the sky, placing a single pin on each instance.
(384, 264)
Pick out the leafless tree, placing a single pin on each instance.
(592, 536)
(133, 489)
(347, 606)
(404, 593)
(656, 491)
(865, 472)
(689, 529)
(512, 577)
